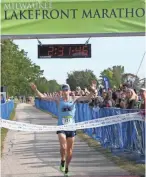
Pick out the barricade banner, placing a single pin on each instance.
(6, 109)
(111, 120)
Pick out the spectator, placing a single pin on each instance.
(132, 98)
(8, 99)
(110, 92)
(125, 87)
(143, 96)
(2, 99)
(86, 92)
(135, 91)
(72, 93)
(78, 91)
(82, 92)
(123, 101)
(107, 101)
(104, 94)
(22, 99)
(96, 101)
(100, 91)
(118, 98)
(114, 96)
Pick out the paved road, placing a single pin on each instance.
(37, 154)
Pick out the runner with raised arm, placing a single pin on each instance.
(66, 116)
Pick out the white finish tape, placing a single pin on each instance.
(100, 122)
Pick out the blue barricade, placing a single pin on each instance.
(6, 109)
(128, 136)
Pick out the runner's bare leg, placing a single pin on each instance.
(63, 145)
(70, 144)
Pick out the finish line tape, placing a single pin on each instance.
(100, 122)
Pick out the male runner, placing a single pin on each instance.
(66, 116)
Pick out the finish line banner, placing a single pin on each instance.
(100, 122)
(62, 18)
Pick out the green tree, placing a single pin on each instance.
(114, 75)
(17, 69)
(53, 86)
(118, 72)
(44, 85)
(80, 78)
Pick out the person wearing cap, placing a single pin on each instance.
(66, 116)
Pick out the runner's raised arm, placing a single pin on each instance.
(39, 94)
(43, 97)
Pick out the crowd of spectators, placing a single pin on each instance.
(21, 99)
(124, 97)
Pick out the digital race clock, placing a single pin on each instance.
(64, 51)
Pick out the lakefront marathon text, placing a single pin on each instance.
(24, 11)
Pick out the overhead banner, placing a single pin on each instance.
(66, 18)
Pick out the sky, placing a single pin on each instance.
(106, 52)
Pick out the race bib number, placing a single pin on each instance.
(67, 120)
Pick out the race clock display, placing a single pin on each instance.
(64, 51)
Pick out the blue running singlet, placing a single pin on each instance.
(66, 112)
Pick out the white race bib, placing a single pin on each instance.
(67, 120)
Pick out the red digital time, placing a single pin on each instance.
(50, 51)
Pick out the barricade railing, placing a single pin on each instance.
(128, 136)
(6, 109)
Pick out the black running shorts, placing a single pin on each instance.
(69, 134)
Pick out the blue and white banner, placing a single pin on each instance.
(100, 122)
(106, 82)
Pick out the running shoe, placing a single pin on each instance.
(66, 173)
(62, 166)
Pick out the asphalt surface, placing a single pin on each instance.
(37, 154)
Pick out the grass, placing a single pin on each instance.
(130, 166)
(4, 131)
